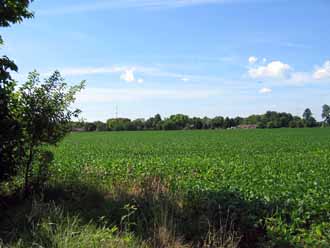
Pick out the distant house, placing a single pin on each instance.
(248, 126)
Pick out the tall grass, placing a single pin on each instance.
(140, 215)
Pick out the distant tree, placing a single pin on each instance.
(296, 122)
(271, 119)
(154, 123)
(307, 114)
(157, 119)
(292, 124)
(284, 119)
(207, 123)
(261, 124)
(78, 125)
(227, 123)
(118, 124)
(149, 123)
(252, 119)
(232, 122)
(169, 124)
(217, 122)
(326, 113)
(309, 119)
(238, 121)
(271, 124)
(90, 126)
(196, 123)
(100, 126)
(138, 124)
(179, 121)
(312, 122)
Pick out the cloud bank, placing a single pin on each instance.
(322, 72)
(282, 72)
(275, 69)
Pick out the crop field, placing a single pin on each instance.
(274, 181)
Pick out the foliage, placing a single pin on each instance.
(308, 118)
(178, 121)
(11, 11)
(100, 126)
(14, 11)
(280, 175)
(9, 133)
(47, 225)
(307, 114)
(119, 124)
(326, 114)
(270, 119)
(44, 114)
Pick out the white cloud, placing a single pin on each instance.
(265, 90)
(322, 72)
(252, 60)
(275, 69)
(128, 75)
(80, 71)
(278, 70)
(299, 78)
(104, 95)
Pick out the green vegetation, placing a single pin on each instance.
(271, 119)
(39, 114)
(11, 12)
(326, 114)
(258, 188)
(32, 114)
(170, 189)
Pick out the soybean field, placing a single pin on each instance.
(276, 181)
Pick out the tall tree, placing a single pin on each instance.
(11, 12)
(307, 114)
(308, 118)
(10, 129)
(14, 11)
(326, 113)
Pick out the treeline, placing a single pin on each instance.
(270, 119)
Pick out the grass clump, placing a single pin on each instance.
(47, 225)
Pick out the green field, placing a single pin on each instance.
(273, 180)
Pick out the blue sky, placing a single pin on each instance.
(197, 57)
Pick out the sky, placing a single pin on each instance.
(195, 57)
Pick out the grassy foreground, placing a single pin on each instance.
(238, 188)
